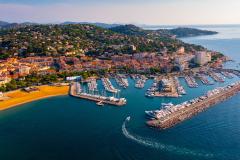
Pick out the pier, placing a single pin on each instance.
(176, 114)
(191, 81)
(108, 86)
(204, 79)
(122, 81)
(75, 91)
(180, 88)
(216, 77)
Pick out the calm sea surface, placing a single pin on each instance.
(64, 128)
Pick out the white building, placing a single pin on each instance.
(202, 58)
(133, 47)
(24, 70)
(181, 50)
(4, 80)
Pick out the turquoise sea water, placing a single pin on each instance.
(63, 128)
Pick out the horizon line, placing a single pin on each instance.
(121, 23)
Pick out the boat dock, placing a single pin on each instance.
(75, 91)
(216, 77)
(108, 86)
(169, 117)
(180, 88)
(205, 80)
(191, 81)
(140, 81)
(169, 89)
(227, 74)
(121, 81)
(92, 85)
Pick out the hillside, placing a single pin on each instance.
(178, 32)
(75, 39)
(190, 32)
(103, 25)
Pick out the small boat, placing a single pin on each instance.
(167, 104)
(100, 103)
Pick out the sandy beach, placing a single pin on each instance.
(19, 97)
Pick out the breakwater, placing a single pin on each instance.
(169, 117)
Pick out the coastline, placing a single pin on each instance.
(19, 97)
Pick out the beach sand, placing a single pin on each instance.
(19, 97)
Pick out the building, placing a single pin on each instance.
(74, 78)
(4, 80)
(183, 66)
(24, 70)
(181, 50)
(182, 62)
(183, 58)
(133, 47)
(202, 58)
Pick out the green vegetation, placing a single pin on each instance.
(190, 32)
(36, 79)
(217, 56)
(77, 39)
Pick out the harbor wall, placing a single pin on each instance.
(193, 110)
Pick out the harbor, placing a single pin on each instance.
(170, 115)
(140, 83)
(191, 81)
(76, 91)
(204, 79)
(108, 86)
(122, 81)
(216, 77)
(162, 86)
(180, 88)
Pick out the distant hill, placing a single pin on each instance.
(178, 32)
(129, 30)
(2, 23)
(7, 25)
(103, 25)
(190, 32)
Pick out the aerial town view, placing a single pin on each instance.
(105, 80)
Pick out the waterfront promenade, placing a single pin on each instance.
(191, 110)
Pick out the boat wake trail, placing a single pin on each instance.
(164, 147)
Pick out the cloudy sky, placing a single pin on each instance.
(155, 12)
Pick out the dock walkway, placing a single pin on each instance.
(97, 98)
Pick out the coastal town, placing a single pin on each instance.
(143, 63)
(120, 79)
(79, 74)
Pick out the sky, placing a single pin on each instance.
(151, 12)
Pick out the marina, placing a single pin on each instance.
(191, 81)
(151, 91)
(216, 77)
(171, 115)
(122, 81)
(180, 88)
(76, 91)
(108, 86)
(227, 74)
(92, 85)
(204, 79)
(140, 81)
